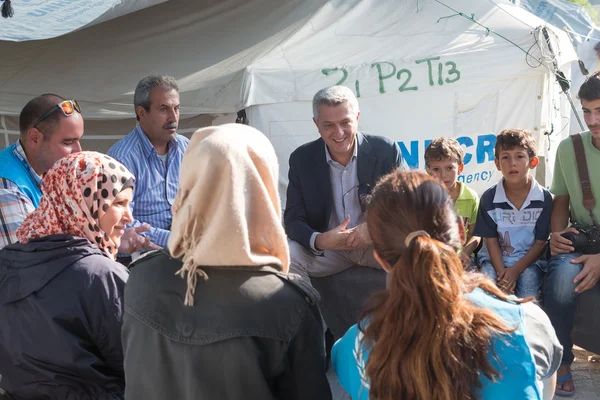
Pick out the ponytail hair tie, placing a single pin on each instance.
(413, 235)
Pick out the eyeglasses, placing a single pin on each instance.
(68, 107)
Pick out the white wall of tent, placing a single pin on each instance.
(421, 68)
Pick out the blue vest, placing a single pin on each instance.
(517, 364)
(15, 170)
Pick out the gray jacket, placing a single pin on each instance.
(250, 334)
(60, 320)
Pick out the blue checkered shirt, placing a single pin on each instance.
(156, 181)
(15, 206)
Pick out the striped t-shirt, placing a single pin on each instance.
(156, 182)
(516, 229)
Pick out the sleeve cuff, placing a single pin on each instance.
(159, 237)
(313, 239)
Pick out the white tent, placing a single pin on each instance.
(422, 69)
(422, 72)
(574, 19)
(35, 20)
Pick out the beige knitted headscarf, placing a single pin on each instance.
(227, 210)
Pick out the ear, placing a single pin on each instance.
(357, 116)
(386, 267)
(315, 121)
(534, 162)
(497, 162)
(35, 136)
(428, 170)
(140, 111)
(461, 167)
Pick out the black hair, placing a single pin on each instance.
(37, 107)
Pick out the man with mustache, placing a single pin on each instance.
(153, 152)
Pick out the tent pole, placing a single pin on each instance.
(6, 139)
(562, 79)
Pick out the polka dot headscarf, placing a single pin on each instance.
(77, 191)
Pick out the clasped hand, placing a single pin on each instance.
(340, 238)
(507, 280)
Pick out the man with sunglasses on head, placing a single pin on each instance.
(153, 152)
(50, 128)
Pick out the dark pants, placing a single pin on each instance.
(125, 260)
(343, 295)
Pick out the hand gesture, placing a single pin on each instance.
(334, 239)
(132, 241)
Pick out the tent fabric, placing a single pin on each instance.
(232, 54)
(421, 72)
(575, 20)
(36, 19)
(205, 45)
(355, 35)
(564, 15)
(421, 69)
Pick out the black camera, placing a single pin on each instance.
(587, 241)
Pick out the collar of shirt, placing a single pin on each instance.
(147, 146)
(536, 193)
(20, 153)
(464, 193)
(331, 160)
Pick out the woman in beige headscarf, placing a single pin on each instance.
(217, 318)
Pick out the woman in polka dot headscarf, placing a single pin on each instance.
(79, 195)
(61, 290)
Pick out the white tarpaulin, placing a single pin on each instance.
(421, 70)
(574, 19)
(45, 19)
(205, 45)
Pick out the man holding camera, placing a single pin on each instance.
(575, 263)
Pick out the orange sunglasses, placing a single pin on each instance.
(68, 107)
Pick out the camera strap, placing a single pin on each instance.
(584, 177)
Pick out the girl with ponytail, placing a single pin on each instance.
(436, 332)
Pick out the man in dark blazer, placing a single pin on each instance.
(328, 181)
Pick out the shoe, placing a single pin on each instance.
(562, 380)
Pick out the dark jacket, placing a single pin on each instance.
(250, 335)
(61, 312)
(309, 195)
